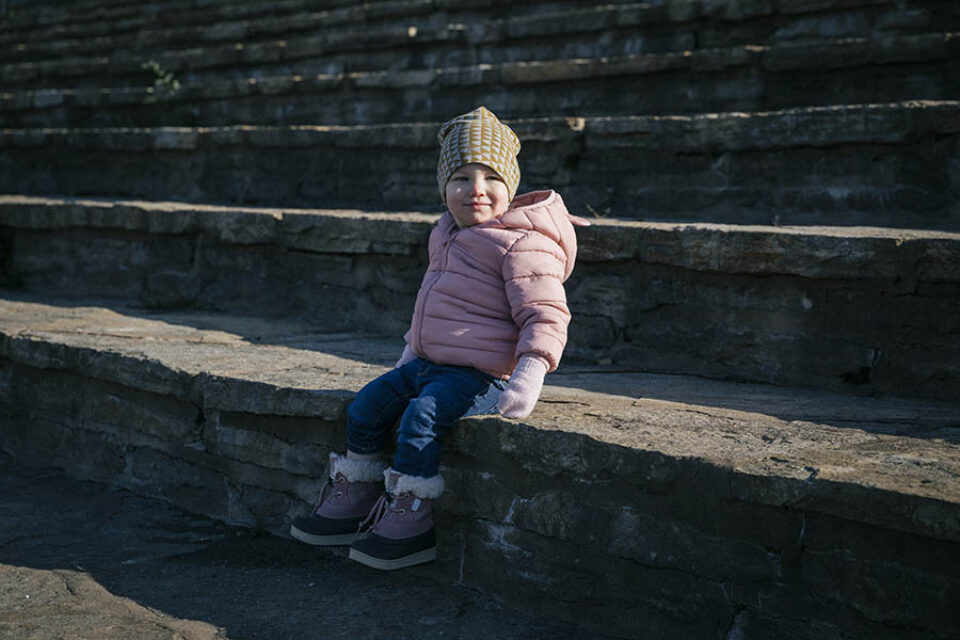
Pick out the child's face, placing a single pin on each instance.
(476, 193)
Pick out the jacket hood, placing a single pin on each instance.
(545, 213)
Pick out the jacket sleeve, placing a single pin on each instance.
(533, 274)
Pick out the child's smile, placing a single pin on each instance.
(476, 193)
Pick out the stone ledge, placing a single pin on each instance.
(875, 164)
(472, 34)
(97, 11)
(338, 30)
(225, 18)
(809, 251)
(259, 97)
(864, 310)
(700, 487)
(782, 446)
(541, 24)
(824, 126)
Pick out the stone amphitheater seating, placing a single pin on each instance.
(756, 430)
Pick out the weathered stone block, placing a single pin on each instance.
(551, 500)
(663, 603)
(46, 439)
(638, 294)
(267, 399)
(654, 542)
(162, 417)
(266, 449)
(162, 476)
(254, 507)
(48, 390)
(884, 591)
(880, 574)
(350, 234)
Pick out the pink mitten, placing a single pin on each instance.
(523, 390)
(408, 355)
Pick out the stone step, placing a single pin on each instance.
(264, 22)
(684, 507)
(880, 164)
(84, 18)
(96, 17)
(603, 31)
(151, 31)
(158, 27)
(859, 310)
(751, 78)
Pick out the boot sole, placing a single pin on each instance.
(427, 555)
(340, 540)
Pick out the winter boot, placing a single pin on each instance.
(399, 530)
(347, 498)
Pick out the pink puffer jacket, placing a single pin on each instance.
(494, 292)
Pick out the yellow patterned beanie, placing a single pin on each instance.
(478, 136)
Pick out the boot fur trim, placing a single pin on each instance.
(423, 488)
(357, 470)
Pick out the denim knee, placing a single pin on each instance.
(373, 413)
(418, 423)
(360, 438)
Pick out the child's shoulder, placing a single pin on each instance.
(542, 199)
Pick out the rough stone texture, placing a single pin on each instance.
(741, 78)
(678, 506)
(92, 18)
(426, 35)
(865, 310)
(78, 560)
(889, 164)
(60, 602)
(684, 507)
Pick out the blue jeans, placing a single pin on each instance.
(428, 398)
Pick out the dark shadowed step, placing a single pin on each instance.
(152, 22)
(885, 164)
(397, 44)
(147, 32)
(750, 78)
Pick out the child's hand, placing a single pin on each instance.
(408, 355)
(523, 390)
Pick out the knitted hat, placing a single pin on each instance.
(478, 136)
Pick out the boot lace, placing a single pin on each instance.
(326, 491)
(376, 514)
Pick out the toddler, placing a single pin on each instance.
(490, 321)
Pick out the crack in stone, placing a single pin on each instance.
(576, 402)
(69, 586)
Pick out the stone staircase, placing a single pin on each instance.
(734, 78)
(213, 220)
(735, 114)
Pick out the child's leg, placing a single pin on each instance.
(372, 414)
(446, 395)
(401, 532)
(356, 480)
(353, 487)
